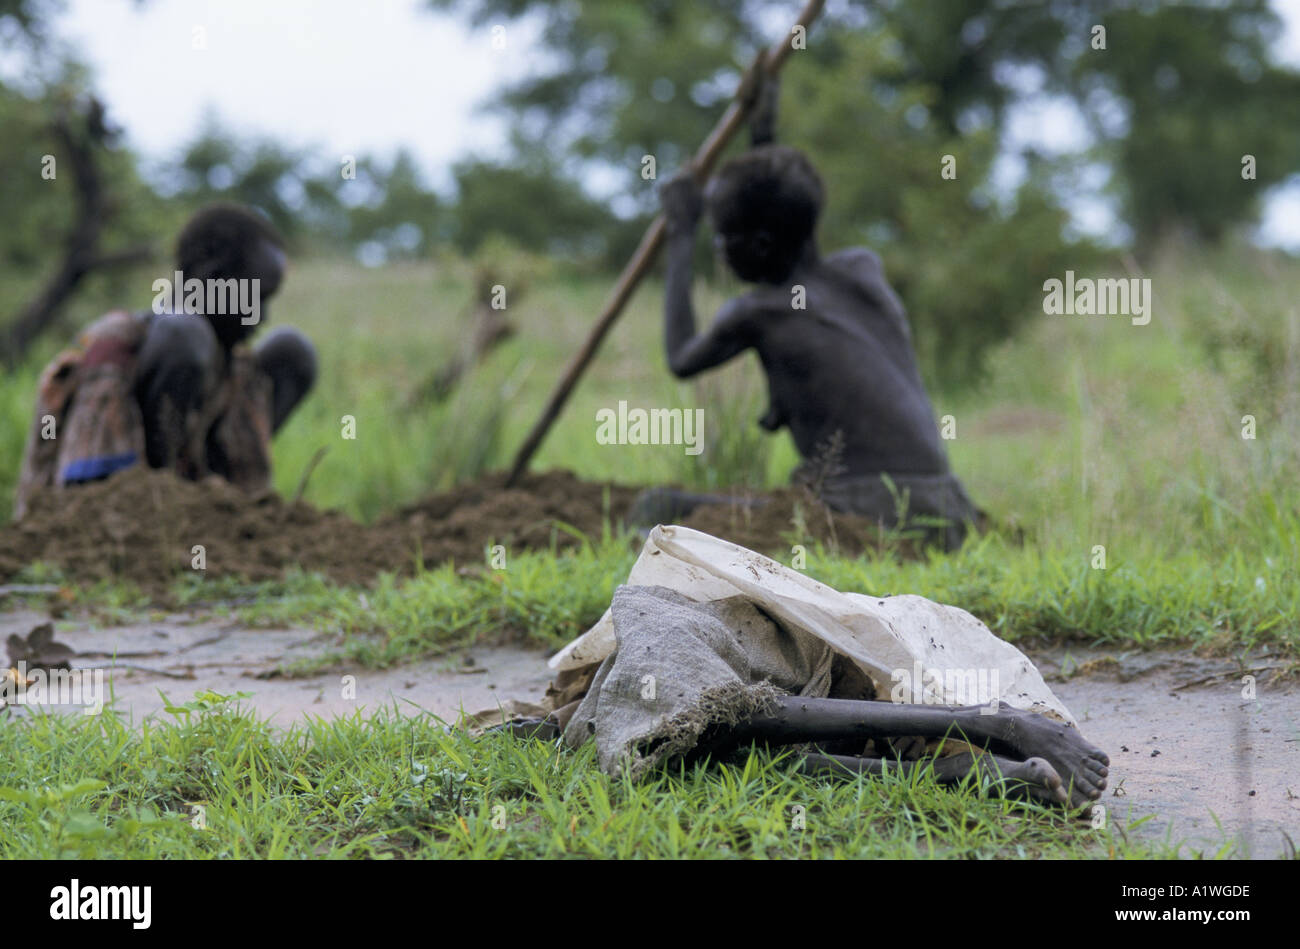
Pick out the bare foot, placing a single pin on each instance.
(1034, 779)
(1081, 765)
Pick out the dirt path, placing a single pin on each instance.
(1185, 745)
(181, 657)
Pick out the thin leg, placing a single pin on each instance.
(1022, 735)
(1034, 779)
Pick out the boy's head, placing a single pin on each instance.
(227, 241)
(764, 207)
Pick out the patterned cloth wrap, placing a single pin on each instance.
(88, 423)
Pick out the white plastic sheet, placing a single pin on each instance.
(913, 649)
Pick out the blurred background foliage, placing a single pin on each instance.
(883, 92)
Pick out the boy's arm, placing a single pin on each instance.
(759, 91)
(689, 353)
(762, 125)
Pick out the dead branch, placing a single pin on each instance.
(80, 137)
(489, 331)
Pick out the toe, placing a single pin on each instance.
(1085, 782)
(1047, 785)
(1060, 793)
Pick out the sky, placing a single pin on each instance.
(353, 77)
(347, 76)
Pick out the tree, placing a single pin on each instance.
(1178, 98)
(404, 218)
(74, 204)
(561, 220)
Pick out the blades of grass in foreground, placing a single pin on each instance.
(221, 783)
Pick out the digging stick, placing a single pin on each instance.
(770, 62)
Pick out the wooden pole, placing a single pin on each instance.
(770, 62)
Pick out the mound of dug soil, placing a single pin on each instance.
(143, 526)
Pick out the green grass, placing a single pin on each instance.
(1024, 595)
(393, 787)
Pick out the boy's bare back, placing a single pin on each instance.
(844, 362)
(829, 331)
